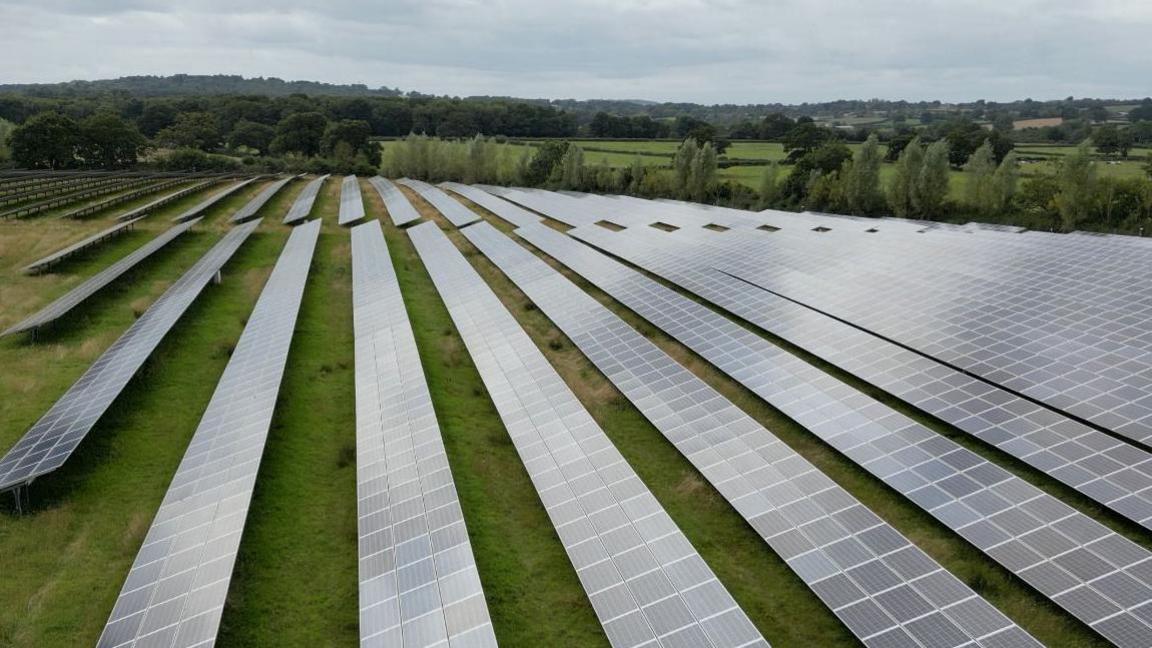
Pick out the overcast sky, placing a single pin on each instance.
(709, 51)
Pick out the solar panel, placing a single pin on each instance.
(502, 208)
(801, 513)
(144, 210)
(77, 295)
(647, 584)
(174, 594)
(413, 541)
(456, 213)
(351, 202)
(302, 207)
(60, 255)
(1029, 532)
(400, 210)
(49, 443)
(208, 202)
(253, 206)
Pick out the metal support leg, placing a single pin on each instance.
(218, 278)
(16, 493)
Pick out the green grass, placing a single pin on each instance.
(296, 572)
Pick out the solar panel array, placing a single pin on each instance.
(208, 202)
(457, 214)
(144, 210)
(65, 199)
(1095, 574)
(647, 584)
(52, 439)
(1113, 473)
(351, 201)
(418, 580)
(400, 210)
(175, 592)
(85, 243)
(253, 206)
(302, 206)
(73, 298)
(888, 592)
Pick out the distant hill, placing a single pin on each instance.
(195, 84)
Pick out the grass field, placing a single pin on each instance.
(295, 582)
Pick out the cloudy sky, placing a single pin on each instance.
(710, 51)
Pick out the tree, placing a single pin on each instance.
(703, 175)
(903, 188)
(572, 168)
(544, 162)
(775, 126)
(1112, 141)
(825, 161)
(252, 135)
(156, 117)
(6, 128)
(1076, 179)
(198, 130)
(897, 144)
(109, 142)
(932, 188)
(1005, 181)
(860, 179)
(46, 141)
(769, 185)
(682, 163)
(804, 138)
(636, 175)
(1143, 112)
(300, 133)
(353, 132)
(979, 190)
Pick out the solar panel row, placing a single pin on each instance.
(119, 199)
(400, 210)
(52, 439)
(253, 206)
(418, 580)
(77, 295)
(302, 206)
(857, 563)
(647, 584)
(175, 591)
(506, 210)
(457, 214)
(208, 202)
(148, 208)
(351, 201)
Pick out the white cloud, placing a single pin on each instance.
(676, 50)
